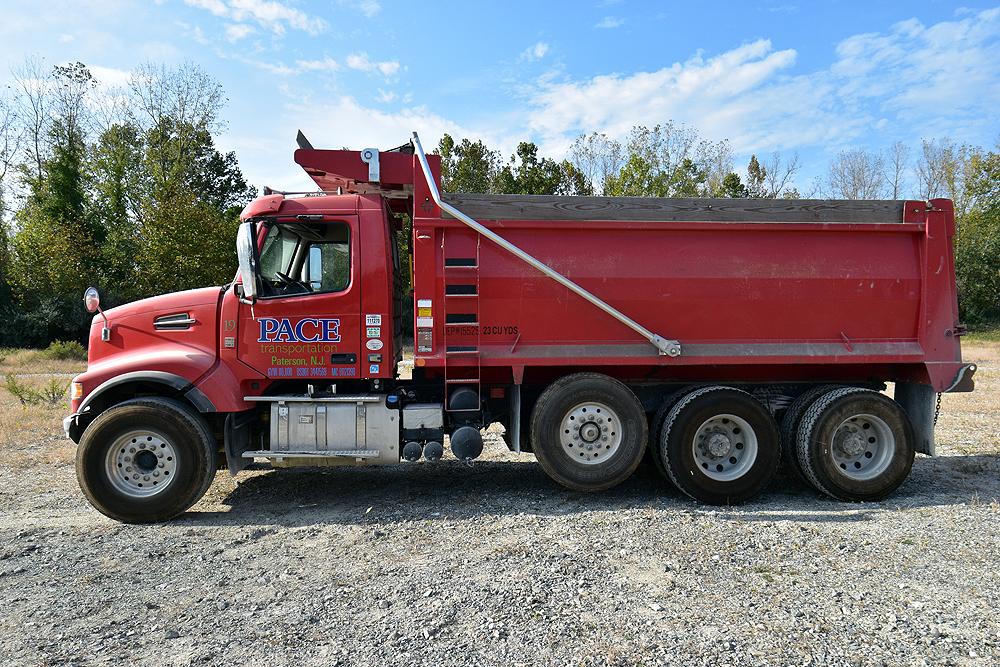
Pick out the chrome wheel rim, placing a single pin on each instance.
(863, 447)
(590, 433)
(141, 464)
(725, 447)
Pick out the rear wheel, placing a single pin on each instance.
(720, 445)
(790, 426)
(855, 445)
(145, 460)
(656, 427)
(588, 431)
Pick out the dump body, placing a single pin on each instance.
(755, 292)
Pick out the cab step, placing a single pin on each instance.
(317, 454)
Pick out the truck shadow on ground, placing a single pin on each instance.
(455, 491)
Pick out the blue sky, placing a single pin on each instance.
(811, 78)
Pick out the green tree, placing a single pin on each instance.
(54, 247)
(528, 174)
(668, 160)
(977, 241)
(467, 166)
(732, 187)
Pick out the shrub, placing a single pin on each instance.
(66, 349)
(22, 391)
(54, 392)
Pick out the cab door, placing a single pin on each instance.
(306, 323)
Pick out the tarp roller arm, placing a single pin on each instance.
(671, 348)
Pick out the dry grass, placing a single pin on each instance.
(970, 423)
(33, 362)
(32, 435)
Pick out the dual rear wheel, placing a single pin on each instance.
(720, 445)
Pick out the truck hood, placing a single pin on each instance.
(137, 344)
(175, 301)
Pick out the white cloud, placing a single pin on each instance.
(911, 80)
(275, 16)
(237, 31)
(217, 7)
(385, 96)
(323, 65)
(536, 51)
(357, 126)
(360, 62)
(367, 7)
(609, 22)
(700, 91)
(110, 77)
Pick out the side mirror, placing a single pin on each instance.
(92, 302)
(246, 251)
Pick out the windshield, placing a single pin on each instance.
(305, 258)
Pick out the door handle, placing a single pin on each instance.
(348, 358)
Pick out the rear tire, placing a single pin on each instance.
(146, 460)
(790, 427)
(588, 432)
(855, 445)
(720, 445)
(656, 428)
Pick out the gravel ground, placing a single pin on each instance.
(447, 563)
(492, 564)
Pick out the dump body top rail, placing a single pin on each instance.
(652, 209)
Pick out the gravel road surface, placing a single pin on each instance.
(491, 564)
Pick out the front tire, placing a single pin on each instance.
(588, 432)
(720, 445)
(145, 460)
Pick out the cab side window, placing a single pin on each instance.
(305, 258)
(328, 266)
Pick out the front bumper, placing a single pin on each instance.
(71, 427)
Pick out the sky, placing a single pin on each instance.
(803, 78)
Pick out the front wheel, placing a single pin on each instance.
(588, 431)
(145, 460)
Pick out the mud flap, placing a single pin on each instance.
(237, 440)
(919, 401)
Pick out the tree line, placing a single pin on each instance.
(119, 187)
(125, 188)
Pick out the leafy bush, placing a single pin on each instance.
(22, 391)
(66, 349)
(54, 392)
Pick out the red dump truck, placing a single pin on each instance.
(713, 336)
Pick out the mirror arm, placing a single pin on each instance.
(106, 329)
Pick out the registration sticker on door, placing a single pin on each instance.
(373, 320)
(373, 332)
